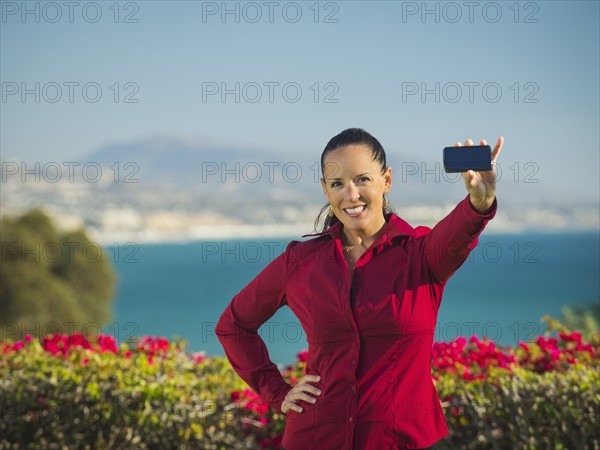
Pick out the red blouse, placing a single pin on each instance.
(369, 336)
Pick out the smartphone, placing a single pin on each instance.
(462, 159)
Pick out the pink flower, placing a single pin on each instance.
(198, 357)
(474, 339)
(107, 343)
(575, 336)
(77, 339)
(468, 376)
(524, 346)
(56, 344)
(302, 356)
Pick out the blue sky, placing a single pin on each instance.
(375, 52)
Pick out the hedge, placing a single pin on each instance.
(86, 392)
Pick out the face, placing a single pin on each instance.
(354, 186)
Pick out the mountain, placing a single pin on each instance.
(259, 175)
(166, 188)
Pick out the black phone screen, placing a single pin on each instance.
(462, 159)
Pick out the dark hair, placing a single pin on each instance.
(352, 136)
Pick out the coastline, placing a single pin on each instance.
(228, 232)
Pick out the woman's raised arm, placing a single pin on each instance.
(449, 243)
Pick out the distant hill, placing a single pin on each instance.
(200, 167)
(168, 187)
(259, 174)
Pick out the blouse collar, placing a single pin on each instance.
(395, 226)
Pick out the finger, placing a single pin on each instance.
(313, 377)
(483, 142)
(472, 176)
(298, 397)
(307, 398)
(287, 406)
(311, 389)
(497, 148)
(458, 144)
(469, 177)
(469, 142)
(301, 392)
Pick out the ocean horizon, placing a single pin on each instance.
(502, 290)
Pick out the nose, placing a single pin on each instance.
(352, 194)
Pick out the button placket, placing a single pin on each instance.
(355, 282)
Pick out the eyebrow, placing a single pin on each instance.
(360, 175)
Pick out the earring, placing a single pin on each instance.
(330, 212)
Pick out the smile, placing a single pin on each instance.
(357, 211)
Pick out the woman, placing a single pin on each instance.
(366, 291)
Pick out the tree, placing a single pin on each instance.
(51, 281)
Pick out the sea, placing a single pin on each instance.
(508, 283)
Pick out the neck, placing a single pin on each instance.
(364, 237)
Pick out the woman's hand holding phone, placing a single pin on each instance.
(481, 184)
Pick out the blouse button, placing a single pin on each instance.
(353, 361)
(354, 388)
(350, 419)
(356, 303)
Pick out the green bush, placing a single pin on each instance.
(93, 399)
(527, 410)
(76, 392)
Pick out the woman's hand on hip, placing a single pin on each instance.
(300, 392)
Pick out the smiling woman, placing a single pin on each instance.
(366, 290)
(355, 182)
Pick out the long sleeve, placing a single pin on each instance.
(237, 331)
(449, 243)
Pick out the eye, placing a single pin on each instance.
(363, 179)
(335, 184)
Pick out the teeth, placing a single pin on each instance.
(355, 210)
